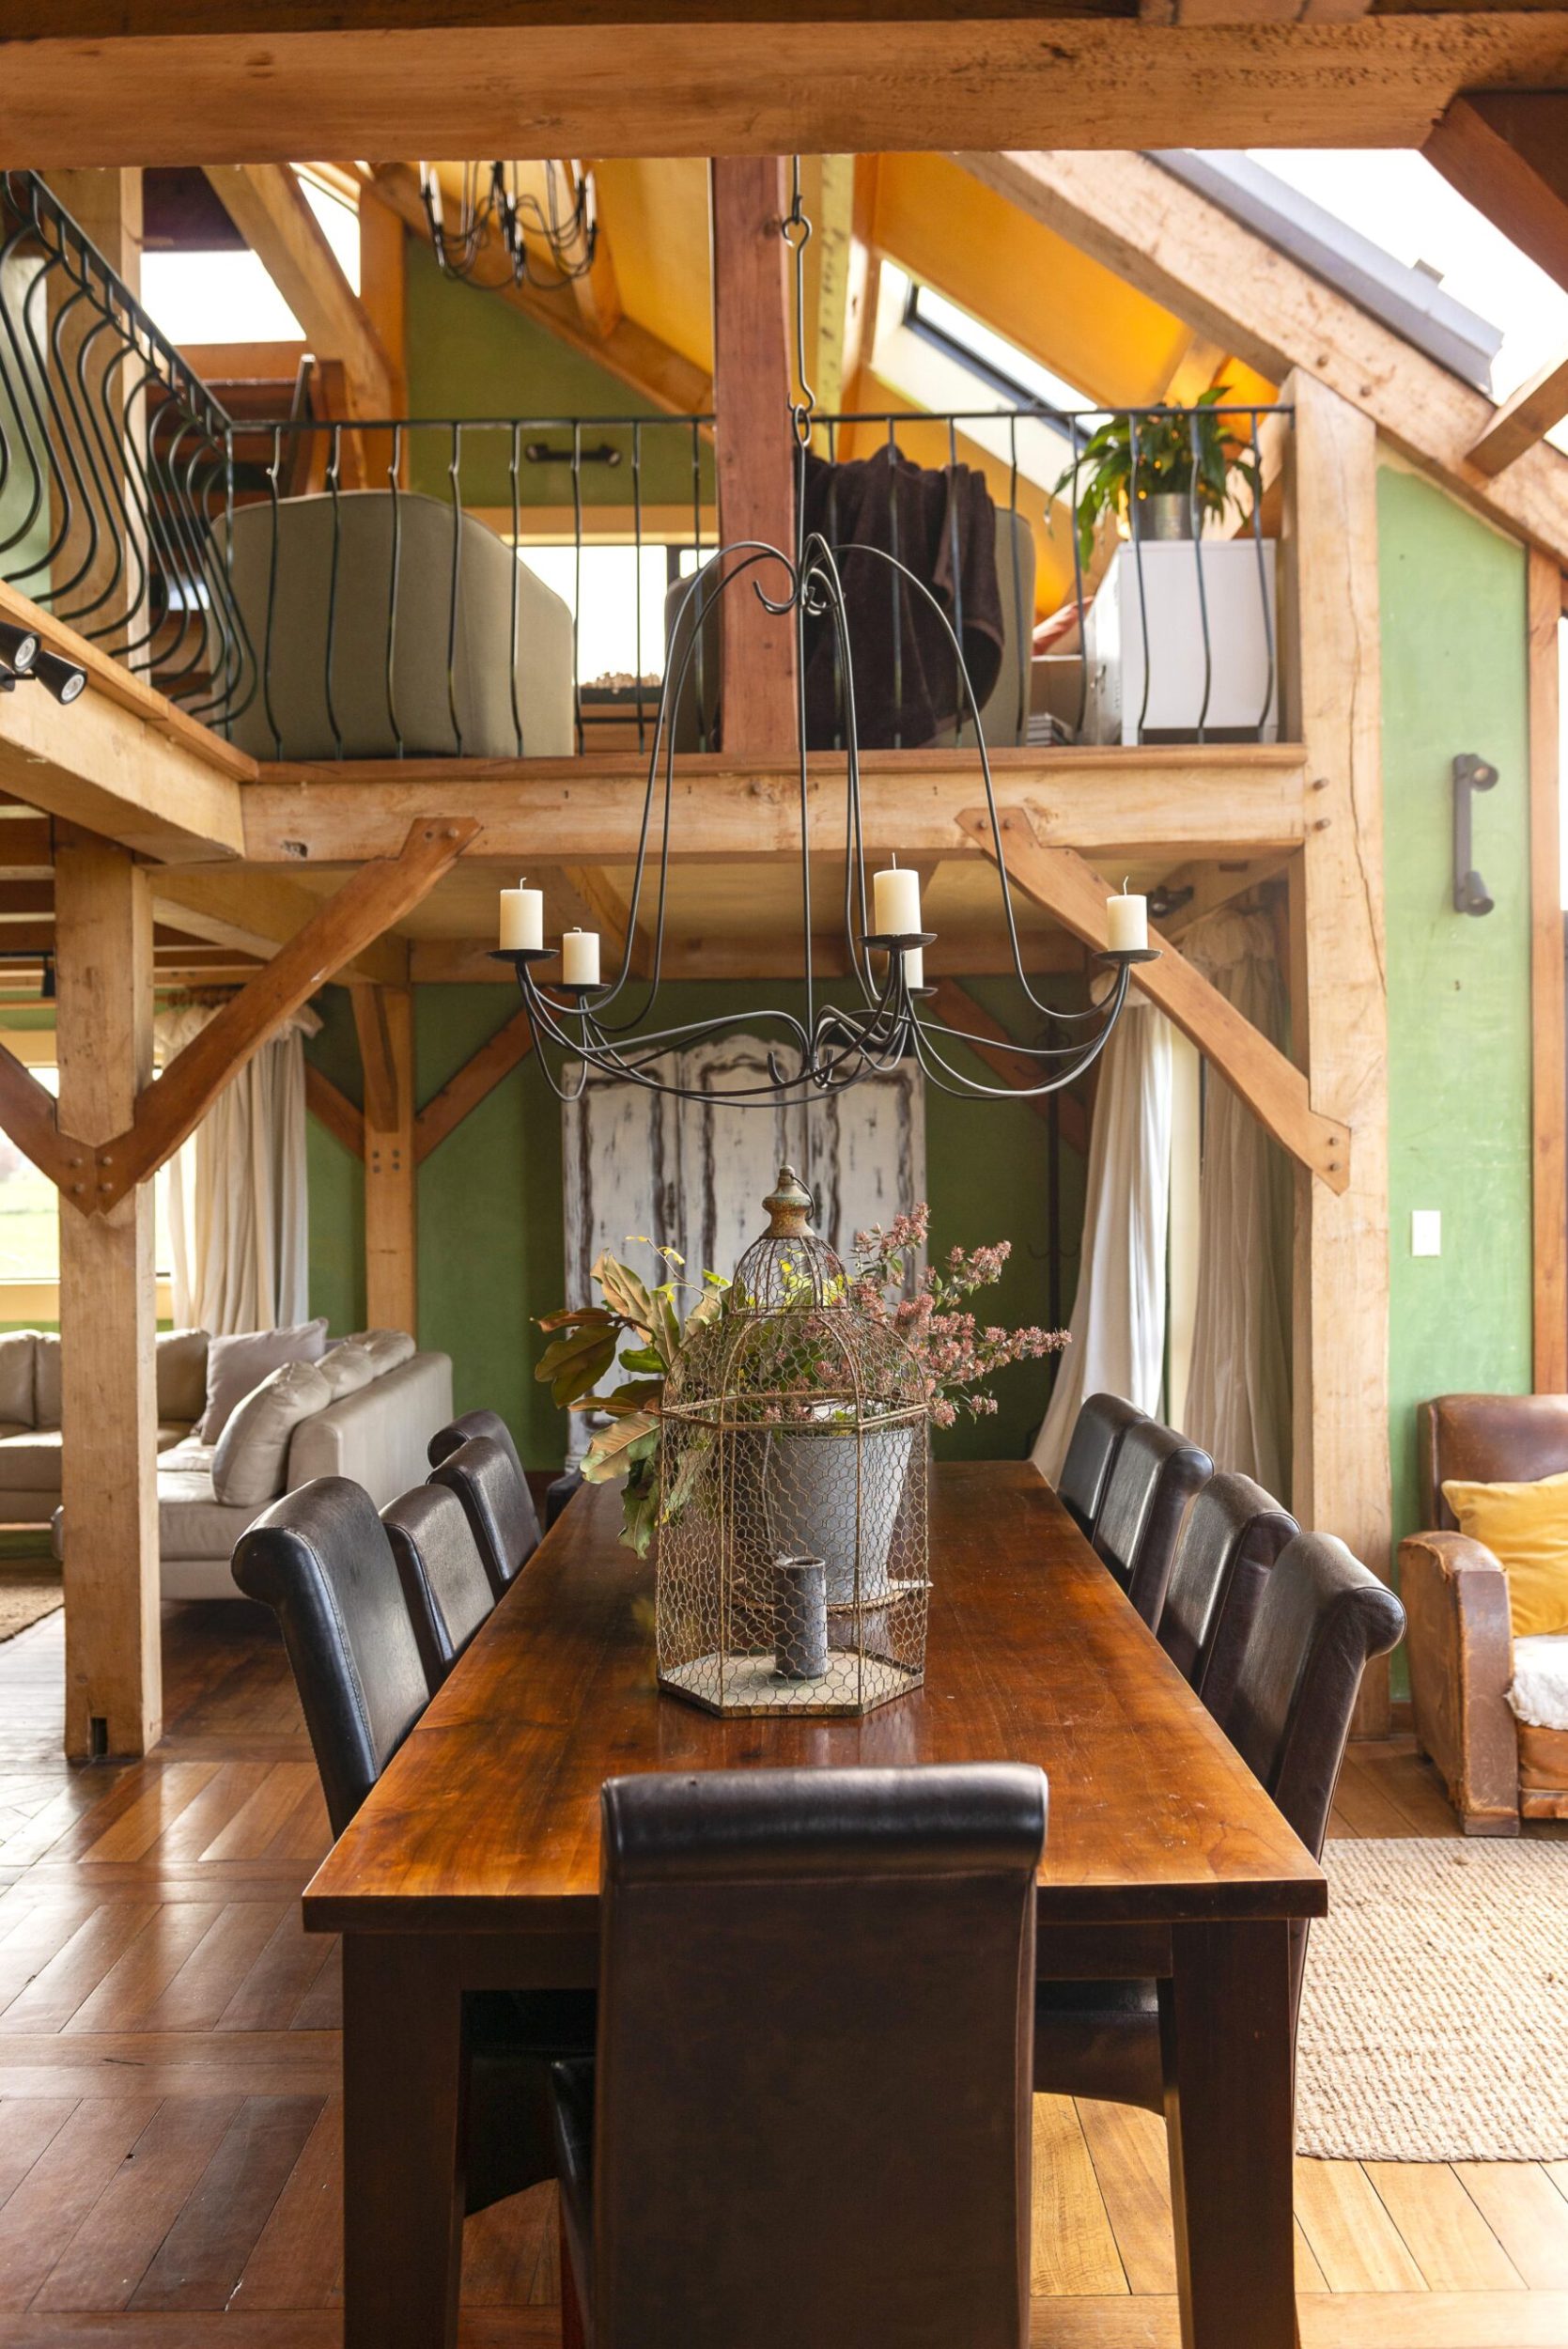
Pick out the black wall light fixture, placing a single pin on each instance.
(1471, 774)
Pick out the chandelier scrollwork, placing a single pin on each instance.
(521, 223)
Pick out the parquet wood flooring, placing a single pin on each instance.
(170, 2128)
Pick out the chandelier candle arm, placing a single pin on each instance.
(522, 918)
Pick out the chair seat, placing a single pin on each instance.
(1099, 2039)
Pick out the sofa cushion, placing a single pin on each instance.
(182, 1375)
(236, 1367)
(18, 1349)
(388, 1349)
(1540, 1689)
(46, 1380)
(192, 1522)
(348, 1367)
(1525, 1526)
(30, 1462)
(251, 1460)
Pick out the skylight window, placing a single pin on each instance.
(1010, 372)
(228, 297)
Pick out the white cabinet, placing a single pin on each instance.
(1145, 637)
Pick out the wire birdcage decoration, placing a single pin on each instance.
(793, 1549)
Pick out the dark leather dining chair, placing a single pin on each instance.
(1230, 1538)
(1097, 1432)
(320, 1558)
(458, 1431)
(1321, 1619)
(497, 1503)
(1155, 1476)
(811, 2118)
(445, 1586)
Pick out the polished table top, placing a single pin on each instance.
(487, 1819)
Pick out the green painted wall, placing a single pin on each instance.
(491, 1215)
(1459, 1039)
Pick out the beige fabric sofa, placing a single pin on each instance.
(376, 1435)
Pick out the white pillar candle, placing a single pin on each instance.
(522, 919)
(579, 958)
(895, 902)
(1128, 920)
(914, 966)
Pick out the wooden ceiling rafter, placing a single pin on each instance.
(270, 208)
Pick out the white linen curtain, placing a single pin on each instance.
(1239, 1388)
(1118, 1324)
(237, 1198)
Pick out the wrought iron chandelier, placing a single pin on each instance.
(500, 216)
(583, 1024)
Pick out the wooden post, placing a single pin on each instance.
(384, 1016)
(1339, 1014)
(383, 248)
(754, 445)
(1547, 1042)
(113, 1671)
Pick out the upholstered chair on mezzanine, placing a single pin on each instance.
(320, 1558)
(1102, 1421)
(497, 1503)
(811, 2117)
(445, 1584)
(1321, 1618)
(1230, 1538)
(1155, 1476)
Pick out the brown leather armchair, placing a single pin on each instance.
(1460, 1644)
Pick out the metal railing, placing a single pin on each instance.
(318, 587)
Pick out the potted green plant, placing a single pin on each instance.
(1161, 470)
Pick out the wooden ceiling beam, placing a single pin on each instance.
(340, 1116)
(378, 1062)
(124, 82)
(1273, 1088)
(270, 208)
(1231, 284)
(1522, 420)
(626, 350)
(258, 912)
(474, 1082)
(1506, 152)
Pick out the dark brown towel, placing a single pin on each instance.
(909, 698)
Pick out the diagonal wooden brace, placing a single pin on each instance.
(1273, 1088)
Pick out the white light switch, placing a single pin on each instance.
(1426, 1231)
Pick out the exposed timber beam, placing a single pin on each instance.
(594, 290)
(120, 760)
(1215, 884)
(378, 1061)
(703, 955)
(391, 1189)
(1524, 419)
(336, 1113)
(1549, 1014)
(611, 914)
(627, 351)
(1274, 1089)
(956, 1007)
(1506, 152)
(28, 1117)
(1215, 800)
(112, 81)
(479, 1077)
(268, 207)
(1229, 283)
(256, 912)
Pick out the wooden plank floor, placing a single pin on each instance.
(170, 2120)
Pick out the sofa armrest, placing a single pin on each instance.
(1461, 1649)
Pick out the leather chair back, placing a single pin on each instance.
(1488, 1440)
(1231, 1535)
(321, 1560)
(1155, 1476)
(469, 1423)
(497, 1503)
(1321, 1618)
(816, 2058)
(444, 1582)
(1097, 1432)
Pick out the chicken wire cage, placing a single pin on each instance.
(792, 1549)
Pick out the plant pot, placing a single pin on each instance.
(836, 1496)
(1162, 516)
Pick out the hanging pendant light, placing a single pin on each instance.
(505, 232)
(584, 1023)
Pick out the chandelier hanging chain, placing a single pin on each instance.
(836, 1047)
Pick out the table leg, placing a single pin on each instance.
(1226, 2029)
(403, 2141)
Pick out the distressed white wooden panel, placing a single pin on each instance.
(866, 1155)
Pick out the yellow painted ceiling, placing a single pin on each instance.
(654, 216)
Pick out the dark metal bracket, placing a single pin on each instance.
(1470, 775)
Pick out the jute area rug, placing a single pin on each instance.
(1435, 2011)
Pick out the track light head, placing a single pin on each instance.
(19, 648)
(64, 678)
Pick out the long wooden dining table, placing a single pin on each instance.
(474, 1864)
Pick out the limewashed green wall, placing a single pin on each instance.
(1459, 1041)
(491, 1215)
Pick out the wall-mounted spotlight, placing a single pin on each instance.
(19, 648)
(63, 678)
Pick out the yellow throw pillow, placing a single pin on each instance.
(1526, 1529)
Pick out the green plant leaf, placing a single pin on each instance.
(609, 1453)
